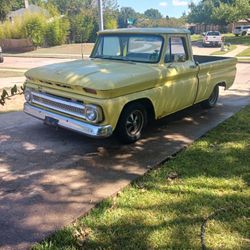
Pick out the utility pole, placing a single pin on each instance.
(26, 4)
(100, 14)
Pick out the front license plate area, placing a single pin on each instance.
(51, 121)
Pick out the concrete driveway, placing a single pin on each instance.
(50, 177)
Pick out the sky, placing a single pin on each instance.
(172, 8)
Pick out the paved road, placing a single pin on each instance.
(27, 63)
(50, 177)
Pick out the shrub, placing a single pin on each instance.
(34, 28)
(57, 31)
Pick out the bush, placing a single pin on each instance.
(34, 28)
(38, 27)
(12, 30)
(57, 31)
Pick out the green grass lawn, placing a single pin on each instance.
(165, 208)
(245, 52)
(195, 38)
(238, 40)
(219, 52)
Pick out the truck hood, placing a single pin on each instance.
(108, 77)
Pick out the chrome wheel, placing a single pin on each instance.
(212, 100)
(131, 123)
(134, 123)
(214, 97)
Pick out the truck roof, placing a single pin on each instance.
(147, 31)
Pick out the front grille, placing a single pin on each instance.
(58, 104)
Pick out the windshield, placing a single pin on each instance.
(137, 48)
(214, 33)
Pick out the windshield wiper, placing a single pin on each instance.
(114, 58)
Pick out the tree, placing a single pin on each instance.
(219, 11)
(201, 13)
(83, 26)
(152, 14)
(71, 7)
(124, 14)
(163, 22)
(230, 12)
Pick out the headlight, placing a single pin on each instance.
(93, 113)
(27, 95)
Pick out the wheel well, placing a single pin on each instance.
(148, 106)
(222, 84)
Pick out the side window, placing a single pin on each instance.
(177, 50)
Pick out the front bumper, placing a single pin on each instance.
(212, 43)
(69, 123)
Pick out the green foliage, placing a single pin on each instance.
(110, 19)
(34, 28)
(163, 22)
(124, 14)
(110, 23)
(6, 95)
(153, 14)
(232, 12)
(70, 7)
(219, 11)
(201, 12)
(5, 8)
(56, 31)
(41, 29)
(83, 26)
(12, 30)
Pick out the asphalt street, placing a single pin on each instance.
(50, 177)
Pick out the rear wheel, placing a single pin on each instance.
(212, 100)
(244, 33)
(131, 123)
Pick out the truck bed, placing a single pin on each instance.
(206, 59)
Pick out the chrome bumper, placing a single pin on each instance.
(69, 123)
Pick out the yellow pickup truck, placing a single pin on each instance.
(132, 76)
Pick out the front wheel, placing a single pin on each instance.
(212, 100)
(131, 123)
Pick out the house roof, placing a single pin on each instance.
(31, 9)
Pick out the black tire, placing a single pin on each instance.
(1, 59)
(244, 33)
(212, 100)
(131, 123)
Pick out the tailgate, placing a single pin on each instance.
(213, 38)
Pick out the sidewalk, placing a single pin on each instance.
(236, 51)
